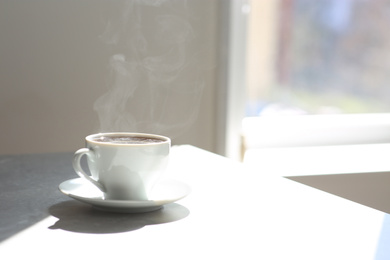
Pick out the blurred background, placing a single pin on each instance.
(325, 56)
(191, 70)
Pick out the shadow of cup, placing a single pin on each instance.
(81, 218)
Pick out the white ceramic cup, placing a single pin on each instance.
(123, 169)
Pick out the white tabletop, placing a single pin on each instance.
(232, 213)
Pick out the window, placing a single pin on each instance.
(318, 57)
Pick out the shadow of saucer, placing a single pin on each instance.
(81, 218)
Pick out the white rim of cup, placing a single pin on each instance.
(164, 139)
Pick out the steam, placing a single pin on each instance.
(155, 79)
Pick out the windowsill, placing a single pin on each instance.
(309, 130)
(317, 144)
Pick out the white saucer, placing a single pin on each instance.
(164, 192)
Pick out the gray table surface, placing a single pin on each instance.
(29, 188)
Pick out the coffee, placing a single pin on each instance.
(117, 139)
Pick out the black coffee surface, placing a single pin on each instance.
(128, 139)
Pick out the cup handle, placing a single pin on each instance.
(77, 167)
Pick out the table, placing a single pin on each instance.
(232, 212)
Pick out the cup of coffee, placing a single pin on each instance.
(124, 166)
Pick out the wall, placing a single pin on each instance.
(57, 58)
